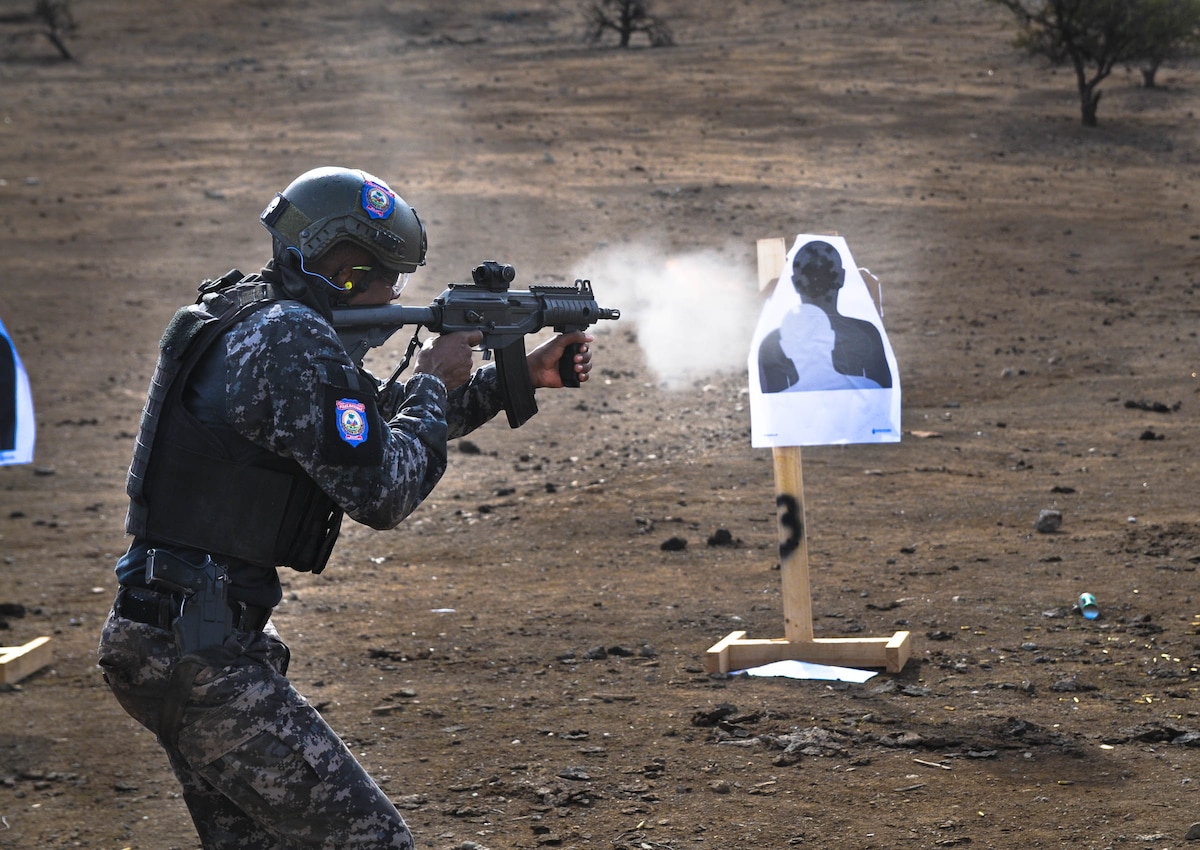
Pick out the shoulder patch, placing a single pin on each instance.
(352, 423)
(353, 432)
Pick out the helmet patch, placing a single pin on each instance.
(351, 421)
(377, 200)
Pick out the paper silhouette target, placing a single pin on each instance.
(16, 406)
(822, 371)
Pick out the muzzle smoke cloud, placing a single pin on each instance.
(694, 313)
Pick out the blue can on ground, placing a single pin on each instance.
(1088, 607)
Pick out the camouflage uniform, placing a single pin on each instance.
(259, 766)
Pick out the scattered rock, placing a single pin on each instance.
(673, 544)
(723, 537)
(714, 715)
(1070, 685)
(1048, 521)
(813, 741)
(1153, 406)
(906, 740)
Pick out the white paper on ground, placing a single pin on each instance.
(808, 670)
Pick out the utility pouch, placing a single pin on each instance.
(205, 619)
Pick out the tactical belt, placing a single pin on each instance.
(142, 605)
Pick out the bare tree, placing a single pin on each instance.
(626, 18)
(58, 20)
(1171, 29)
(51, 18)
(1093, 36)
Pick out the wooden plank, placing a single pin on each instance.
(17, 662)
(716, 660)
(897, 651)
(772, 253)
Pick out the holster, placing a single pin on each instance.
(205, 619)
(201, 627)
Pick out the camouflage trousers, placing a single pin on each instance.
(260, 768)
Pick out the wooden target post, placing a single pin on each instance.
(735, 651)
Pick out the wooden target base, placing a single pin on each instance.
(735, 652)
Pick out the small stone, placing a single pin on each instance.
(722, 537)
(1048, 521)
(1193, 833)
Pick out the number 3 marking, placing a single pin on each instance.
(789, 519)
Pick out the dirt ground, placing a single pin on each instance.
(522, 663)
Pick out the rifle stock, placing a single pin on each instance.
(364, 328)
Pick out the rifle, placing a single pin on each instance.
(504, 316)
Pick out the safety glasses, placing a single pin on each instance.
(397, 282)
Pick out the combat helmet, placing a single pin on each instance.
(328, 205)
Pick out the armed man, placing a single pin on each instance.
(259, 433)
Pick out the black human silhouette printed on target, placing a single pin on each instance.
(815, 347)
(8, 396)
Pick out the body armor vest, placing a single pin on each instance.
(208, 488)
